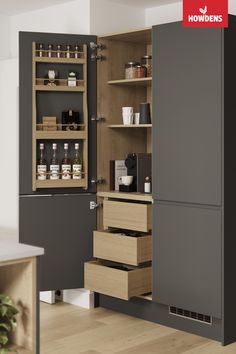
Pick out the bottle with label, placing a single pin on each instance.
(41, 165)
(66, 164)
(147, 185)
(77, 164)
(54, 164)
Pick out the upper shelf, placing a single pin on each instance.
(142, 81)
(129, 196)
(60, 88)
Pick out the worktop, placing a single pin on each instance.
(13, 250)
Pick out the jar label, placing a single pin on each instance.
(42, 172)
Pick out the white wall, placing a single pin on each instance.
(9, 143)
(72, 17)
(163, 14)
(5, 40)
(232, 7)
(108, 17)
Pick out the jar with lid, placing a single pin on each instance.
(140, 71)
(147, 62)
(130, 70)
(68, 51)
(50, 49)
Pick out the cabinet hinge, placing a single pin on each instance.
(97, 46)
(97, 119)
(99, 180)
(94, 205)
(95, 57)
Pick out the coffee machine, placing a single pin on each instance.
(139, 166)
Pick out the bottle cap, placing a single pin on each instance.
(54, 146)
(147, 179)
(77, 146)
(41, 146)
(66, 146)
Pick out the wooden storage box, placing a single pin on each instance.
(120, 248)
(123, 284)
(130, 216)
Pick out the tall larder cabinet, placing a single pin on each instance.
(177, 266)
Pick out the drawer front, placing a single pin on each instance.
(130, 216)
(117, 283)
(122, 249)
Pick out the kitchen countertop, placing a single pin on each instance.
(12, 250)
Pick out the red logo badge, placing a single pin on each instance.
(205, 13)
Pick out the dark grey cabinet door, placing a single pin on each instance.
(63, 225)
(187, 114)
(187, 258)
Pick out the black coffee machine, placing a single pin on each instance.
(139, 166)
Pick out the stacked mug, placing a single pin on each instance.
(127, 115)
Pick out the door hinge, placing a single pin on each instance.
(95, 57)
(97, 119)
(94, 205)
(99, 180)
(97, 46)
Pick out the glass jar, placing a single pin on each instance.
(140, 71)
(130, 70)
(147, 62)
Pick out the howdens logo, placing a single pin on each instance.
(205, 13)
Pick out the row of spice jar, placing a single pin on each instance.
(58, 51)
(135, 70)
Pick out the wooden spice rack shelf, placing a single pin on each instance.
(61, 134)
(60, 60)
(62, 183)
(142, 81)
(60, 88)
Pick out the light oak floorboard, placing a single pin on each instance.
(74, 330)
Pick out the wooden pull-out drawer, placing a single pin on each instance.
(121, 248)
(130, 216)
(117, 282)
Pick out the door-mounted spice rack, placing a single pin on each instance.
(59, 132)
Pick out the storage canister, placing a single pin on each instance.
(130, 70)
(147, 61)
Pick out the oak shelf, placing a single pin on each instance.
(129, 196)
(142, 81)
(60, 60)
(117, 126)
(62, 183)
(60, 88)
(61, 134)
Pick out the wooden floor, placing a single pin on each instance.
(66, 329)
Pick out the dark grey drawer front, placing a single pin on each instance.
(187, 92)
(187, 260)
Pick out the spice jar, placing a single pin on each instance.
(76, 52)
(140, 71)
(59, 51)
(147, 62)
(41, 49)
(68, 51)
(50, 49)
(130, 69)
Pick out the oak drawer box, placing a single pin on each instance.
(116, 282)
(121, 248)
(130, 216)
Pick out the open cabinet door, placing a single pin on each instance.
(57, 216)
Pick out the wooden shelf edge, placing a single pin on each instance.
(61, 183)
(59, 60)
(80, 135)
(59, 88)
(143, 81)
(117, 126)
(130, 196)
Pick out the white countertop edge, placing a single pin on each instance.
(12, 250)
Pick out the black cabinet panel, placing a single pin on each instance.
(187, 259)
(63, 225)
(187, 114)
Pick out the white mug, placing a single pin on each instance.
(126, 180)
